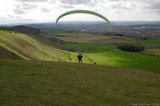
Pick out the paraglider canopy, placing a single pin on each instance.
(86, 12)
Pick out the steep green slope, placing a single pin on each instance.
(110, 56)
(29, 48)
(6, 54)
(32, 83)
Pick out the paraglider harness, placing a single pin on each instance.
(80, 58)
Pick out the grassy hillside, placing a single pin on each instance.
(31, 83)
(46, 83)
(29, 48)
(6, 54)
(3, 31)
(155, 52)
(102, 50)
(108, 55)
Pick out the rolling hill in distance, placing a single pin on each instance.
(29, 48)
(97, 48)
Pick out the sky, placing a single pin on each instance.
(39, 11)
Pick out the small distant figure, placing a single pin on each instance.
(70, 59)
(80, 56)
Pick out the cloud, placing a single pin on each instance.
(26, 6)
(78, 1)
(21, 8)
(17, 11)
(45, 9)
(66, 6)
(154, 6)
(48, 10)
(32, 0)
(150, 5)
(122, 6)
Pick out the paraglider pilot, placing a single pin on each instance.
(80, 56)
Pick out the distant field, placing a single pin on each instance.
(155, 52)
(87, 37)
(52, 32)
(103, 50)
(2, 31)
(108, 55)
(29, 48)
(33, 83)
(151, 42)
(70, 34)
